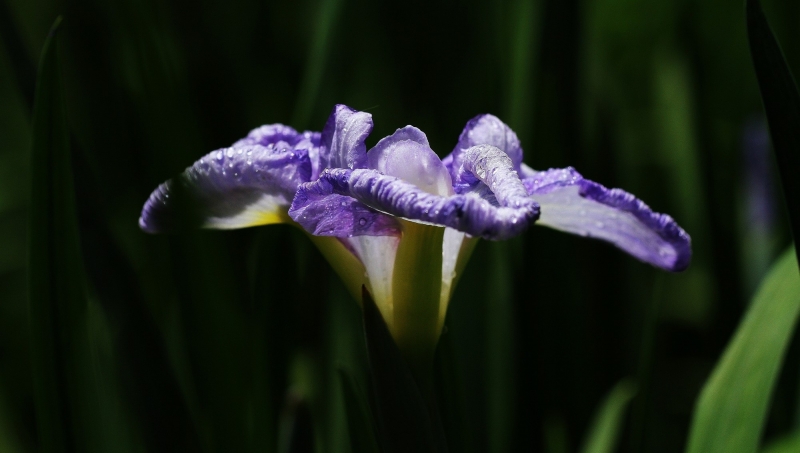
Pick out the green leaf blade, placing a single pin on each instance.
(732, 408)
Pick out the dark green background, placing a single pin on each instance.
(220, 341)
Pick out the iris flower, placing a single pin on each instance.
(398, 219)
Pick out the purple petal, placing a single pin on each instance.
(494, 169)
(485, 130)
(285, 137)
(324, 213)
(343, 138)
(467, 213)
(229, 188)
(576, 205)
(407, 155)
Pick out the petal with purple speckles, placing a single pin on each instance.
(343, 138)
(576, 205)
(229, 188)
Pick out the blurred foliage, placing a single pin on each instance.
(216, 341)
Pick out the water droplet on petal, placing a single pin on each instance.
(362, 221)
(230, 152)
(219, 155)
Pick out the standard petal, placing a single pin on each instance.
(343, 138)
(576, 205)
(466, 213)
(485, 130)
(407, 155)
(229, 188)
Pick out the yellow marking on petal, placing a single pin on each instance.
(270, 218)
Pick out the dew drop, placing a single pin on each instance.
(241, 151)
(230, 152)
(219, 155)
(249, 162)
(362, 221)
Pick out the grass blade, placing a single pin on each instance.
(730, 413)
(57, 296)
(604, 433)
(782, 106)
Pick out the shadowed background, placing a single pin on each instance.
(231, 341)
